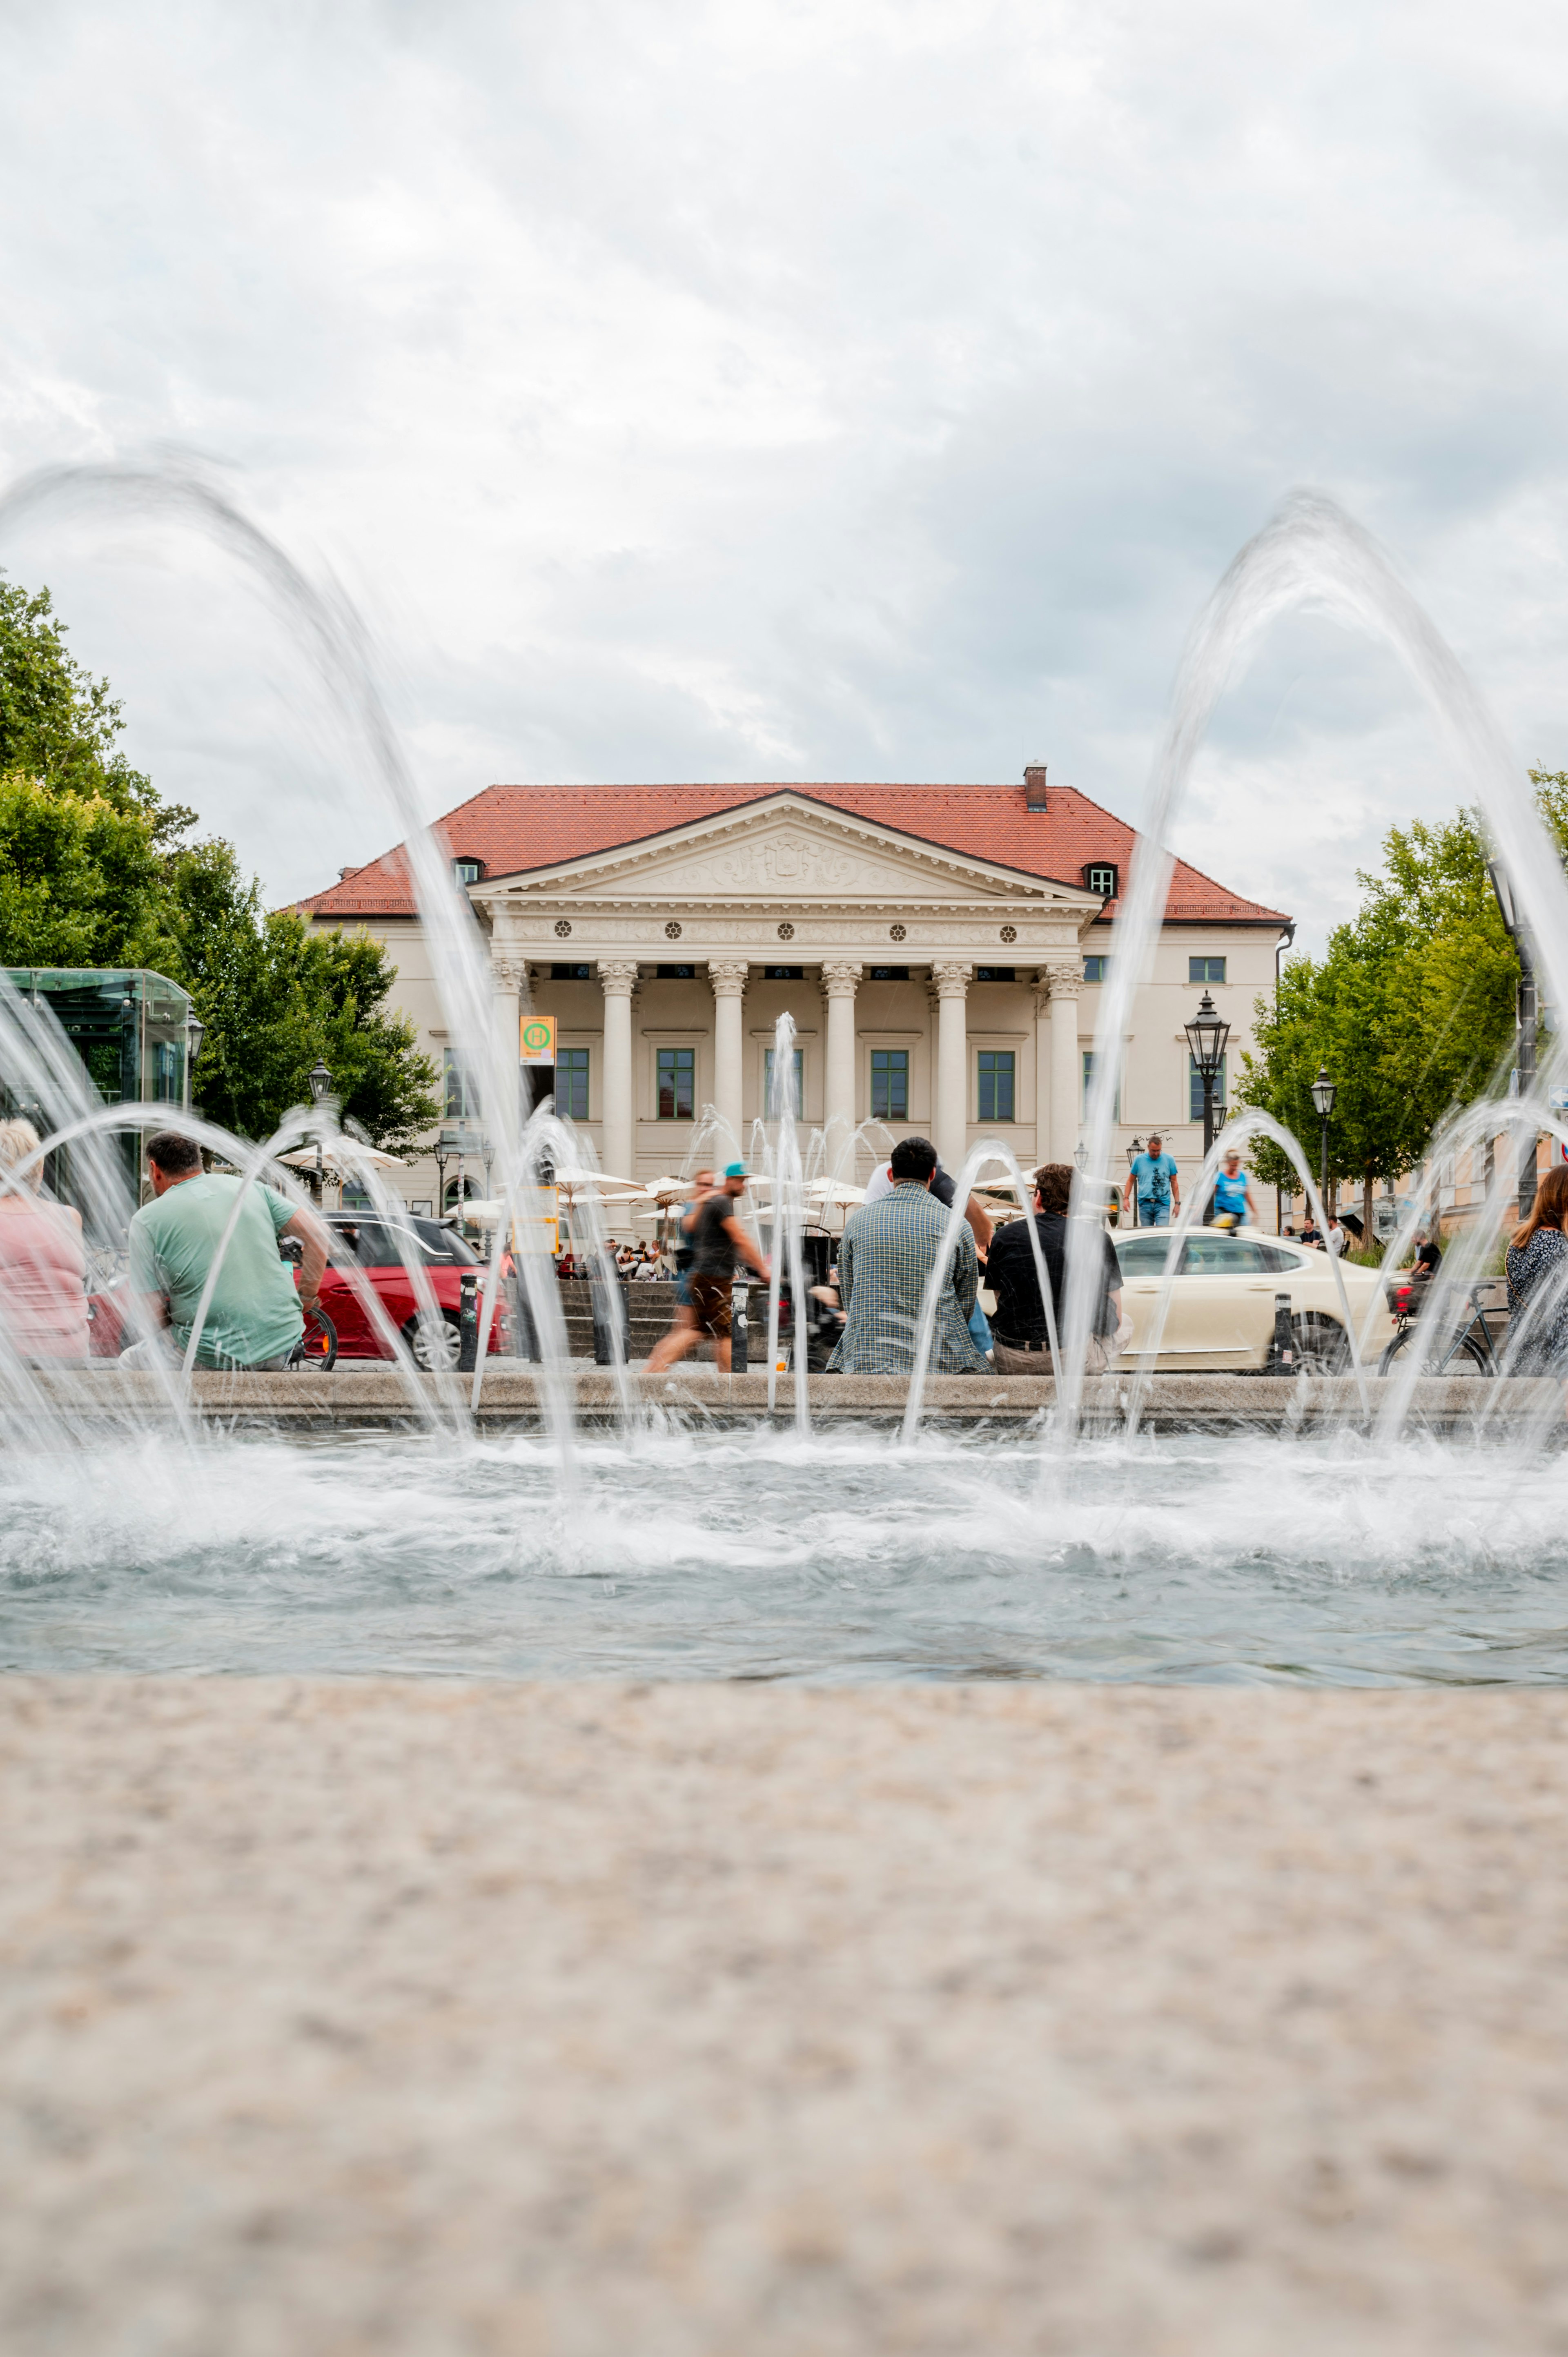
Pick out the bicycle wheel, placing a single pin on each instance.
(318, 1345)
(1439, 1358)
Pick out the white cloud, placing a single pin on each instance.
(690, 390)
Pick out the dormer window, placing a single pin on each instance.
(467, 871)
(1099, 876)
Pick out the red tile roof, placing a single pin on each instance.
(516, 829)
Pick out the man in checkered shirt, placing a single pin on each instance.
(886, 1260)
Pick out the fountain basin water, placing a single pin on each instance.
(1326, 1559)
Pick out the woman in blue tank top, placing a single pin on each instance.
(1233, 1193)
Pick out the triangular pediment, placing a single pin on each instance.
(781, 850)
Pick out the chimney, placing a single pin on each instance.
(344, 872)
(1035, 788)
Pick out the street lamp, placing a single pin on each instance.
(320, 1087)
(1525, 1018)
(195, 1032)
(1323, 1098)
(1206, 1037)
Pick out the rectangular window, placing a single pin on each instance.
(890, 974)
(168, 1077)
(995, 974)
(1100, 877)
(1097, 969)
(783, 973)
(1195, 1091)
(677, 1083)
(674, 973)
(571, 974)
(1088, 1082)
(572, 1082)
(1205, 969)
(996, 1076)
(459, 1096)
(767, 1105)
(890, 1084)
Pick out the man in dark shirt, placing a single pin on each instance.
(718, 1241)
(1019, 1329)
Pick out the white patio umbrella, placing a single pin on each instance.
(304, 1157)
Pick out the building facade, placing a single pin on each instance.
(941, 950)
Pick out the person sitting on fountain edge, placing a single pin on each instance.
(1022, 1341)
(254, 1319)
(718, 1241)
(885, 1259)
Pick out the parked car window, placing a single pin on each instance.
(389, 1244)
(1222, 1256)
(1142, 1255)
(1277, 1261)
(446, 1245)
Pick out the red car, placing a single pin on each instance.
(384, 1250)
(379, 1249)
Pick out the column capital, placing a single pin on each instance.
(618, 976)
(949, 980)
(1061, 981)
(728, 976)
(507, 972)
(840, 978)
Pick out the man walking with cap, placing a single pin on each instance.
(1154, 1175)
(718, 1241)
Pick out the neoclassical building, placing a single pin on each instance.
(940, 949)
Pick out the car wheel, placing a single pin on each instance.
(1322, 1347)
(434, 1342)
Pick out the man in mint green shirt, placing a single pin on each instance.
(254, 1320)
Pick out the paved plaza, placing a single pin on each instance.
(686, 2020)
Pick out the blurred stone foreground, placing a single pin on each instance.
(645, 2022)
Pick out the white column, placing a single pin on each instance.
(508, 975)
(839, 985)
(618, 976)
(1066, 1073)
(951, 985)
(728, 979)
(1044, 1136)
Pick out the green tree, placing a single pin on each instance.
(95, 871)
(59, 724)
(274, 996)
(81, 881)
(1411, 1008)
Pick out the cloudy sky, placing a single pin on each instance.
(771, 389)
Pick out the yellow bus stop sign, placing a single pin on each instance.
(536, 1039)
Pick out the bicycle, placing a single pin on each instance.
(1474, 1340)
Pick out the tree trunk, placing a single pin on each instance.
(1367, 1208)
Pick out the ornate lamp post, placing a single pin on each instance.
(320, 1089)
(1206, 1037)
(1323, 1098)
(1525, 1015)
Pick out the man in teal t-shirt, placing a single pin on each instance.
(254, 1319)
(1154, 1174)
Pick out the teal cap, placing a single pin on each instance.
(735, 1170)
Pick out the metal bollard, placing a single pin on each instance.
(611, 1316)
(739, 1296)
(1283, 1358)
(468, 1320)
(524, 1339)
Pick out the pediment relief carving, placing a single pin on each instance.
(793, 858)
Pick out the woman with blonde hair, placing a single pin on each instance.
(1537, 1264)
(43, 1264)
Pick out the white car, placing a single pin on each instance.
(1221, 1311)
